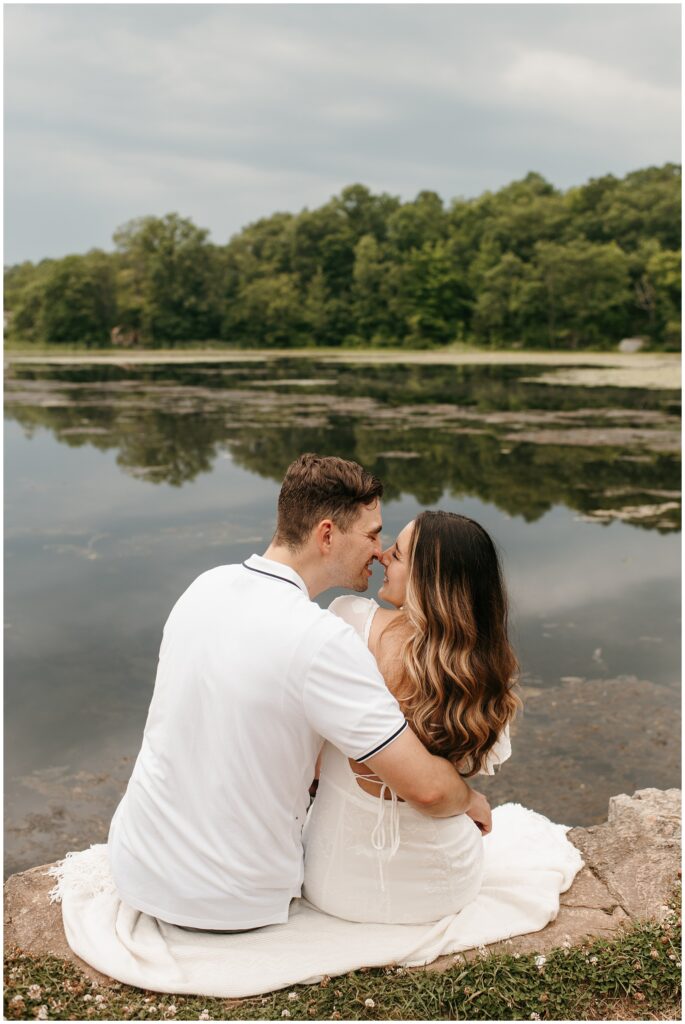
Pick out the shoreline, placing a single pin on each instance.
(504, 357)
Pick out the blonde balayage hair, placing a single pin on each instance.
(459, 668)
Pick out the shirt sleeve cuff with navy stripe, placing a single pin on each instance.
(384, 744)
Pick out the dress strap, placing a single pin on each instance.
(367, 778)
(386, 843)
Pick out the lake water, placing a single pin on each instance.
(125, 483)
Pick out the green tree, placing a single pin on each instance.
(168, 278)
(645, 204)
(507, 302)
(78, 300)
(316, 311)
(586, 292)
(411, 225)
(657, 282)
(267, 311)
(23, 299)
(369, 292)
(436, 298)
(365, 213)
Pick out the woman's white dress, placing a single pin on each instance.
(374, 859)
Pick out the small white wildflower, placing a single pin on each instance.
(285, 1013)
(17, 1001)
(87, 998)
(593, 959)
(369, 1004)
(42, 1012)
(517, 956)
(671, 956)
(292, 996)
(204, 1015)
(534, 1016)
(99, 999)
(654, 953)
(400, 970)
(540, 961)
(171, 1010)
(34, 992)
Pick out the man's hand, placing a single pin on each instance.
(479, 810)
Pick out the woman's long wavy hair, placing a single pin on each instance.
(459, 667)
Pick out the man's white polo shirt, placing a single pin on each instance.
(252, 674)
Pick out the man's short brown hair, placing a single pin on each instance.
(317, 487)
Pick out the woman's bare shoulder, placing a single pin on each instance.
(381, 620)
(387, 615)
(384, 616)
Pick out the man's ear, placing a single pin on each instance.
(324, 535)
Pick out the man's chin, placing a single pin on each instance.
(360, 586)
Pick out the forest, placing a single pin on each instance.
(527, 266)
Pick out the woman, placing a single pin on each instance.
(445, 655)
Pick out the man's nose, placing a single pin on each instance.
(376, 552)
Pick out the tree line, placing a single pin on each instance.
(529, 265)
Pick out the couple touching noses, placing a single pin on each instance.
(255, 681)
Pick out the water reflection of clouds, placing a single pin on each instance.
(86, 486)
(557, 564)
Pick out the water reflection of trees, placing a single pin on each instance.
(526, 480)
(486, 388)
(172, 441)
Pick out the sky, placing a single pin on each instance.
(226, 113)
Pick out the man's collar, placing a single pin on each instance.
(272, 568)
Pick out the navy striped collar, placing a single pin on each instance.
(275, 570)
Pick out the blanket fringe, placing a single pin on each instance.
(83, 872)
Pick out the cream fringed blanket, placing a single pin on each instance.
(528, 863)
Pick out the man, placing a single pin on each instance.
(252, 676)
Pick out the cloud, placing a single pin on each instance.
(584, 89)
(234, 111)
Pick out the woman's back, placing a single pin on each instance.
(371, 859)
(380, 860)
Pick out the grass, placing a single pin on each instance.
(634, 977)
